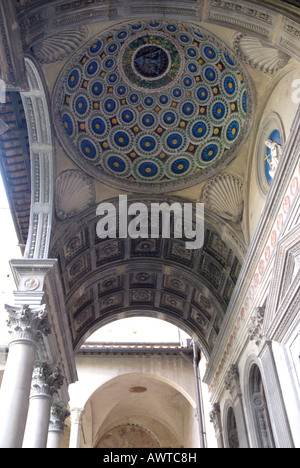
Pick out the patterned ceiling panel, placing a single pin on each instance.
(153, 106)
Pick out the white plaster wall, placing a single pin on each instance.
(93, 373)
(191, 430)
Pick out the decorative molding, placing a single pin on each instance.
(258, 55)
(74, 194)
(224, 196)
(232, 381)
(277, 219)
(12, 66)
(255, 20)
(77, 415)
(282, 311)
(215, 418)
(42, 164)
(56, 48)
(255, 328)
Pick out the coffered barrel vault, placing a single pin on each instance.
(104, 280)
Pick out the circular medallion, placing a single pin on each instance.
(152, 105)
(151, 61)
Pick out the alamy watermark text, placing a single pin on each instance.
(137, 220)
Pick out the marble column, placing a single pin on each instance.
(76, 424)
(232, 383)
(47, 379)
(215, 418)
(58, 415)
(27, 325)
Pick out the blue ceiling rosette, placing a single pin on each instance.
(152, 104)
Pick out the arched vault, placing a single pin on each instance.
(105, 280)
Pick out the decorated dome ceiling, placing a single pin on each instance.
(153, 106)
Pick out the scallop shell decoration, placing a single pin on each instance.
(56, 48)
(74, 194)
(223, 195)
(261, 56)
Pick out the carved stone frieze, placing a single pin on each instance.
(255, 328)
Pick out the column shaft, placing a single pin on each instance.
(36, 433)
(46, 380)
(15, 391)
(59, 414)
(76, 423)
(54, 439)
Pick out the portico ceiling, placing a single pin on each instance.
(105, 280)
(84, 48)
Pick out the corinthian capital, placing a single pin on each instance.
(58, 415)
(215, 417)
(27, 322)
(232, 380)
(46, 379)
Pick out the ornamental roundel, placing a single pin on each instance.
(153, 106)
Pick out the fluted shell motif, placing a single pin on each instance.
(261, 56)
(224, 196)
(56, 48)
(74, 194)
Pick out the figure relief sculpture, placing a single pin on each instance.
(274, 156)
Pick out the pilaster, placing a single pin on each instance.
(215, 418)
(232, 383)
(76, 424)
(278, 415)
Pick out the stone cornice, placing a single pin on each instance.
(12, 66)
(39, 20)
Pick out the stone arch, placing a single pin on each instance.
(259, 408)
(35, 103)
(115, 418)
(229, 423)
